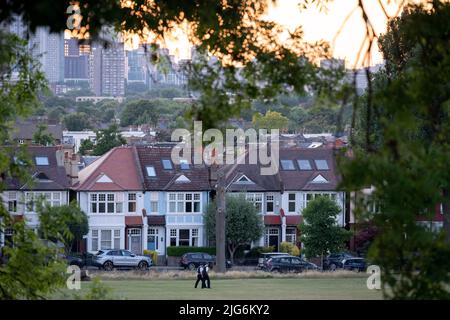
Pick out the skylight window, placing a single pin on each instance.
(41, 161)
(287, 165)
(167, 164)
(151, 171)
(321, 164)
(184, 165)
(304, 164)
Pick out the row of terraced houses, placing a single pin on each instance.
(136, 198)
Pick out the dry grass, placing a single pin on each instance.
(187, 275)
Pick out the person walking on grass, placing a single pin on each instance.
(206, 276)
(200, 277)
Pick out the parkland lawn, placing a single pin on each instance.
(235, 289)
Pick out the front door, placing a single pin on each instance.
(272, 238)
(155, 240)
(135, 240)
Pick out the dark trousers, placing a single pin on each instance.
(199, 278)
(208, 282)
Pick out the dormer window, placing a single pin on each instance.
(304, 164)
(321, 164)
(167, 164)
(287, 165)
(151, 171)
(184, 165)
(41, 161)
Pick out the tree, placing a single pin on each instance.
(243, 223)
(320, 232)
(42, 137)
(140, 112)
(403, 153)
(86, 147)
(271, 120)
(107, 139)
(76, 122)
(32, 270)
(66, 223)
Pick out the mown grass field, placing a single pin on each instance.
(235, 289)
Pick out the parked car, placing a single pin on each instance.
(113, 258)
(334, 260)
(355, 264)
(309, 265)
(192, 260)
(80, 260)
(73, 260)
(266, 256)
(285, 264)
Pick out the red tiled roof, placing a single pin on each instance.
(133, 221)
(156, 220)
(119, 164)
(293, 220)
(272, 219)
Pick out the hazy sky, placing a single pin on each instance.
(321, 26)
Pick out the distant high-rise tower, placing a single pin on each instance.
(107, 70)
(49, 49)
(76, 61)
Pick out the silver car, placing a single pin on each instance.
(114, 258)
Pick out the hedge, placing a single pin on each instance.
(179, 251)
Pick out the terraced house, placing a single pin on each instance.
(303, 174)
(48, 180)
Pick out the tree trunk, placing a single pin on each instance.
(220, 223)
(232, 250)
(446, 215)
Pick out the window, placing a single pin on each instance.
(291, 202)
(150, 171)
(12, 202)
(94, 240)
(153, 206)
(167, 164)
(41, 161)
(51, 198)
(183, 237)
(291, 235)
(194, 237)
(184, 165)
(116, 239)
(287, 165)
(103, 203)
(304, 164)
(105, 239)
(184, 202)
(269, 203)
(132, 202)
(173, 237)
(256, 198)
(321, 164)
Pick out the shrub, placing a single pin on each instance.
(179, 251)
(152, 254)
(289, 248)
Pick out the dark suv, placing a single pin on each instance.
(334, 260)
(192, 260)
(285, 264)
(355, 264)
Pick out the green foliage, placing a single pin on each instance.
(86, 147)
(403, 153)
(320, 232)
(139, 112)
(107, 139)
(77, 121)
(243, 223)
(290, 248)
(152, 254)
(271, 120)
(66, 223)
(97, 291)
(179, 251)
(42, 137)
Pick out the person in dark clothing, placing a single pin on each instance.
(200, 277)
(206, 276)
